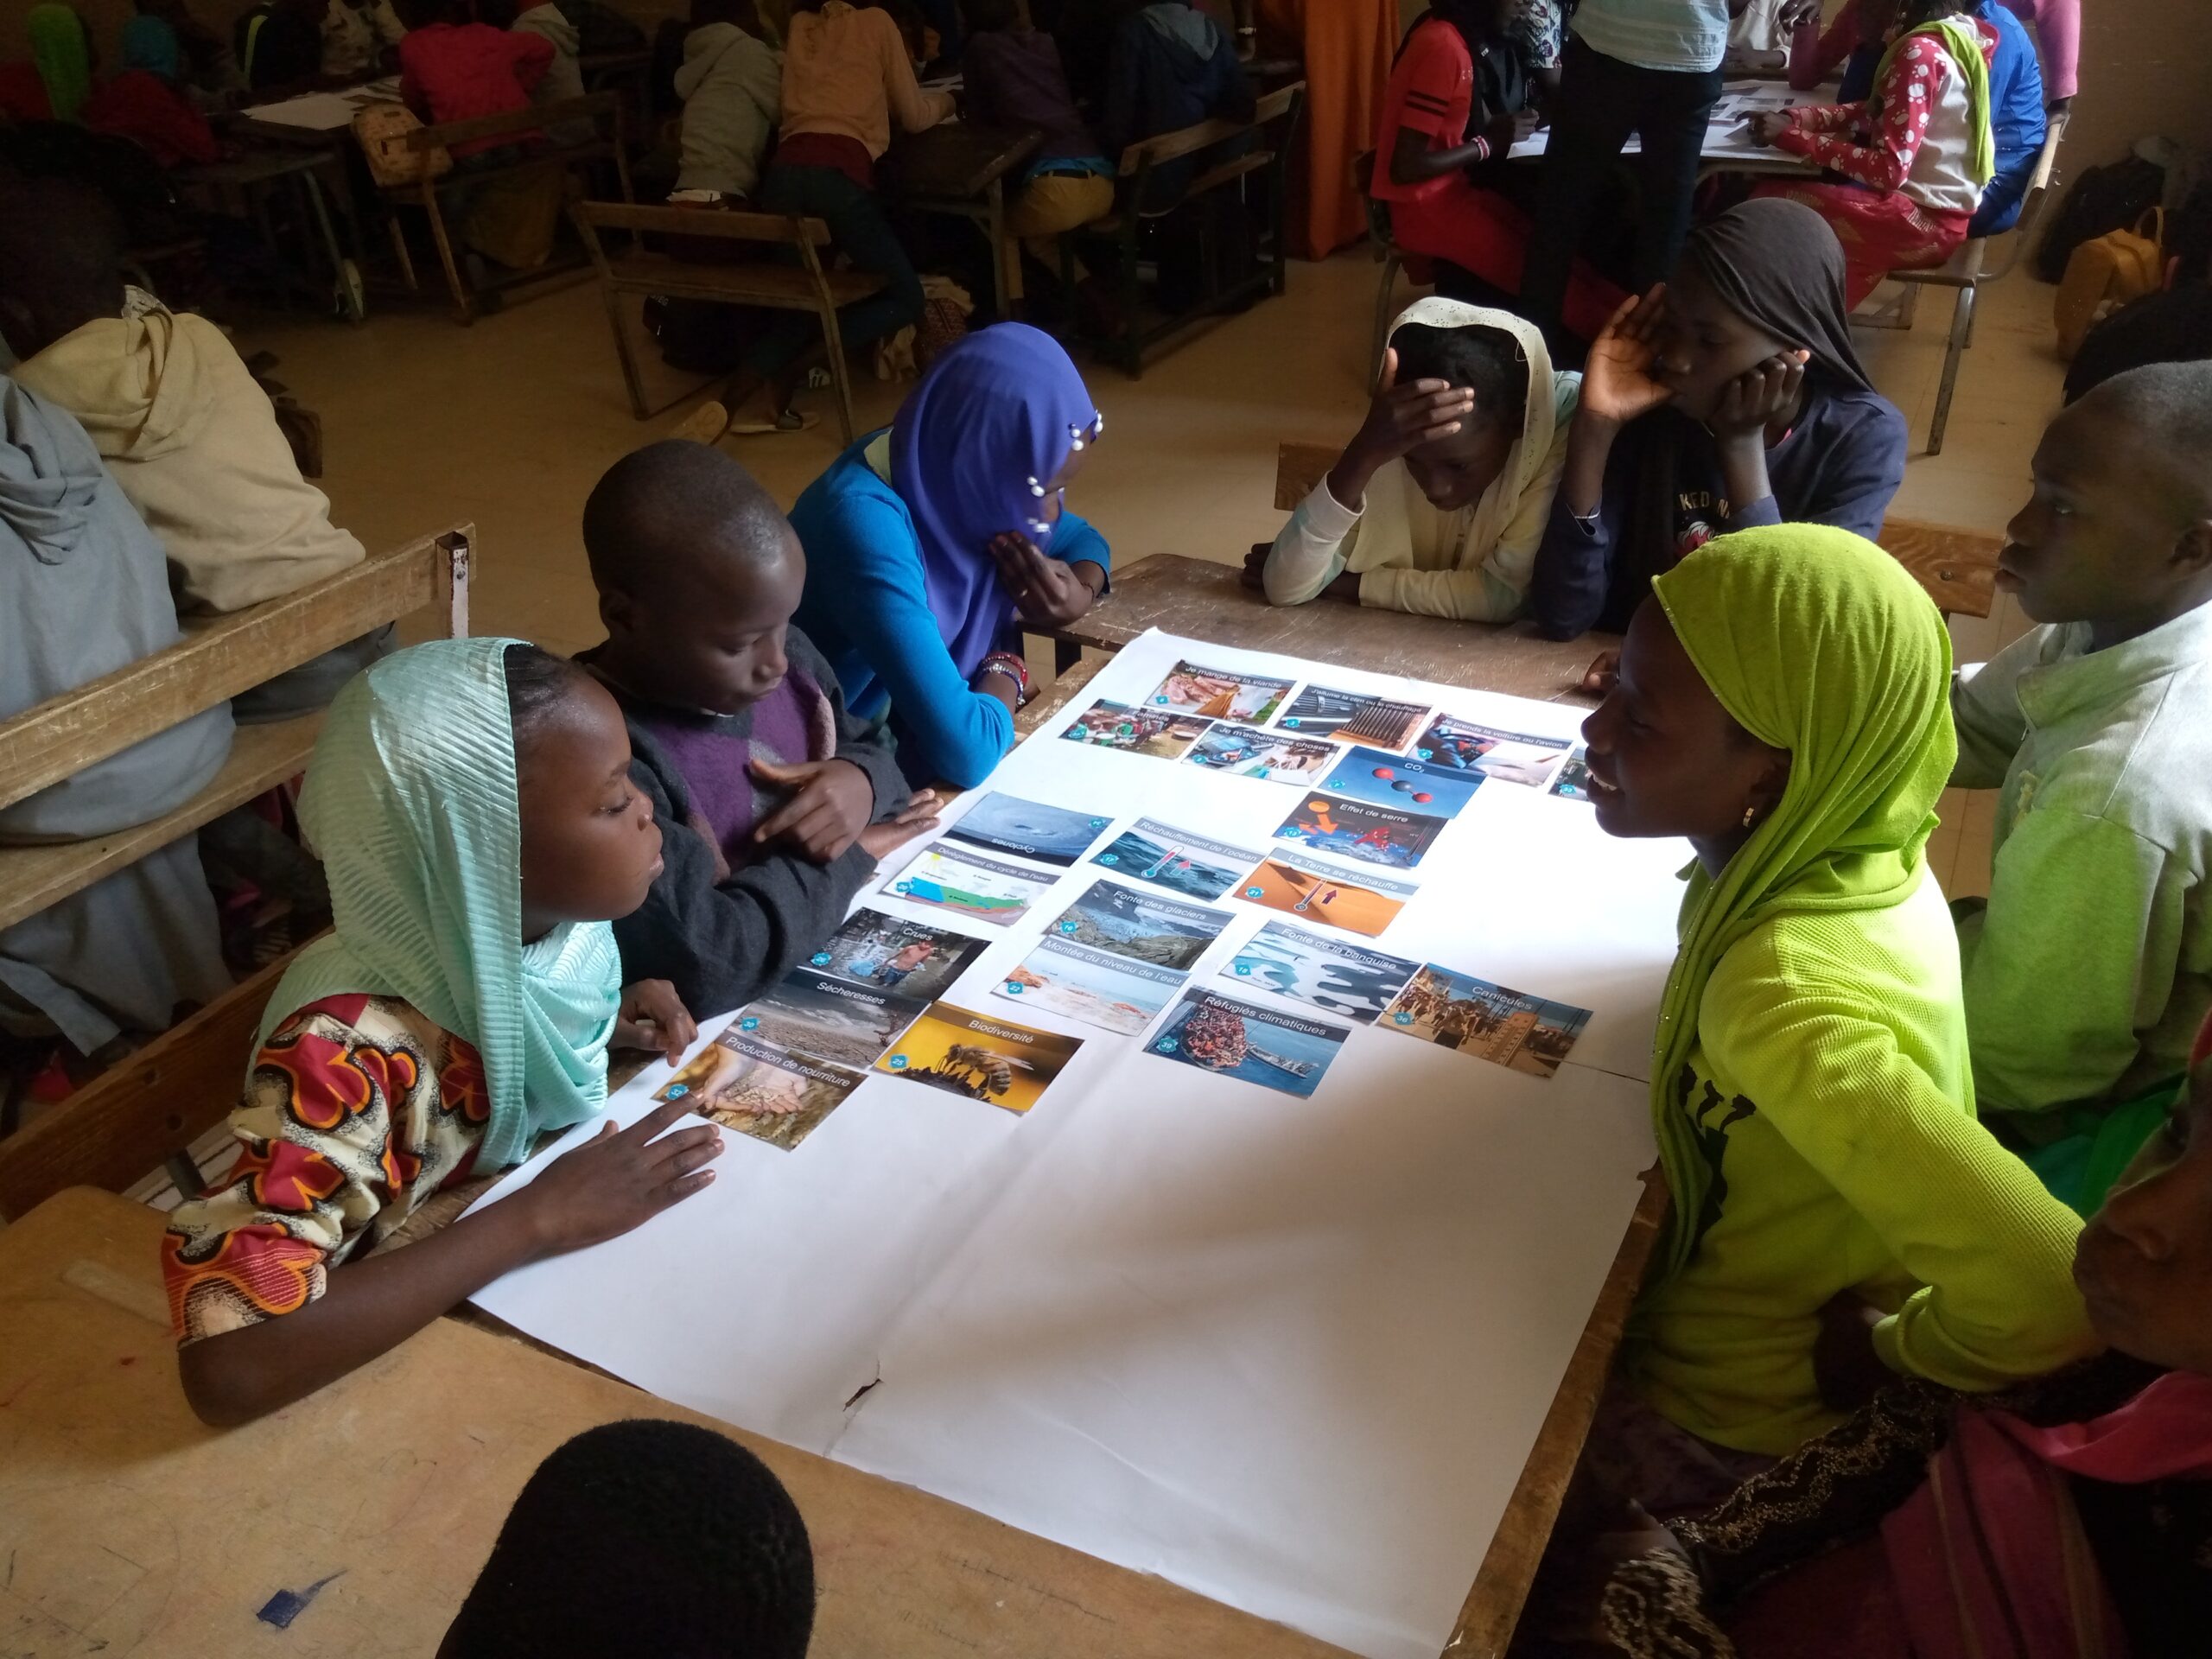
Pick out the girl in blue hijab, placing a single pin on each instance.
(472, 803)
(929, 542)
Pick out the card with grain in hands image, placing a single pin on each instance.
(1248, 752)
(1175, 859)
(1093, 986)
(1316, 711)
(964, 1053)
(1458, 1011)
(1051, 834)
(1243, 1040)
(1160, 732)
(1142, 927)
(1219, 693)
(1373, 835)
(916, 960)
(758, 1088)
(818, 1015)
(1509, 757)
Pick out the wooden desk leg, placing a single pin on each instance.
(995, 206)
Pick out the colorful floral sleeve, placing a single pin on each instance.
(357, 1109)
(1903, 99)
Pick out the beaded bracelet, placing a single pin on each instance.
(1011, 665)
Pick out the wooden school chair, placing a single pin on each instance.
(1135, 343)
(1392, 257)
(1958, 568)
(1966, 271)
(603, 109)
(147, 1109)
(807, 285)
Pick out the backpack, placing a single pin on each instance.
(2173, 327)
(2103, 199)
(382, 130)
(2104, 274)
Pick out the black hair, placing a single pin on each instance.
(989, 16)
(1913, 13)
(61, 246)
(1488, 361)
(669, 502)
(643, 1537)
(2170, 404)
(537, 682)
(2172, 325)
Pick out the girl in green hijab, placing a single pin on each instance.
(63, 56)
(472, 803)
(1839, 1214)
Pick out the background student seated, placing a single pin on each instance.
(1437, 505)
(767, 789)
(1170, 67)
(732, 85)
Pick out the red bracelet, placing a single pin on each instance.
(1008, 664)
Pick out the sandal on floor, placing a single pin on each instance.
(791, 420)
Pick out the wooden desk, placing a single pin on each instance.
(956, 168)
(1206, 601)
(130, 1528)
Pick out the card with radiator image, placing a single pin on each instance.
(1355, 716)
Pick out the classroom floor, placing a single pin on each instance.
(510, 422)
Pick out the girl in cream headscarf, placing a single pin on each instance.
(1438, 503)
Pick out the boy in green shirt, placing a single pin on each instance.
(2089, 967)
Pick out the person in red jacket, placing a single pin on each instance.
(145, 103)
(452, 68)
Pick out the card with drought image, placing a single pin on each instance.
(968, 1053)
(1160, 732)
(1006, 823)
(978, 888)
(1328, 973)
(1404, 785)
(1455, 1010)
(816, 1015)
(1248, 752)
(1175, 859)
(760, 1090)
(1373, 835)
(1318, 892)
(916, 959)
(1236, 1039)
(1319, 712)
(1219, 693)
(1572, 783)
(1091, 986)
(1509, 757)
(1139, 925)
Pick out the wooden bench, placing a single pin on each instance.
(1957, 566)
(133, 1116)
(610, 144)
(1278, 110)
(806, 286)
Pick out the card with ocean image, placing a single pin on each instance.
(1327, 974)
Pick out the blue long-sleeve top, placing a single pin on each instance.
(866, 608)
(1839, 465)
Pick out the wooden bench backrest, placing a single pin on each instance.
(1185, 141)
(779, 228)
(211, 664)
(534, 119)
(1957, 566)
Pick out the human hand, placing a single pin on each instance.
(1765, 125)
(618, 1180)
(916, 815)
(1400, 419)
(1756, 396)
(1616, 380)
(653, 1018)
(1255, 567)
(705, 831)
(1845, 1367)
(831, 803)
(1344, 588)
(1794, 13)
(1046, 591)
(1500, 130)
(1603, 674)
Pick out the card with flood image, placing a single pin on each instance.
(981, 889)
(813, 1013)
(1402, 785)
(916, 960)
(1175, 859)
(1219, 693)
(1323, 973)
(1051, 834)
(760, 1090)
(1248, 752)
(1508, 1027)
(1142, 927)
(1253, 1044)
(1316, 711)
(1162, 734)
(963, 1052)
(1373, 835)
(1316, 890)
(1098, 989)
(1510, 757)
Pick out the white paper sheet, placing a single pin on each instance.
(326, 111)
(1291, 1353)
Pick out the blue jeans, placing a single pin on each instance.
(859, 230)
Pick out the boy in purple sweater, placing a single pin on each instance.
(774, 802)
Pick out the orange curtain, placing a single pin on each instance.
(1346, 46)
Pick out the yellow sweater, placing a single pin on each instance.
(1832, 1095)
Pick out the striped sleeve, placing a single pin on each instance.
(1435, 82)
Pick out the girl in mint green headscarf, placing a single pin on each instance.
(1783, 704)
(470, 802)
